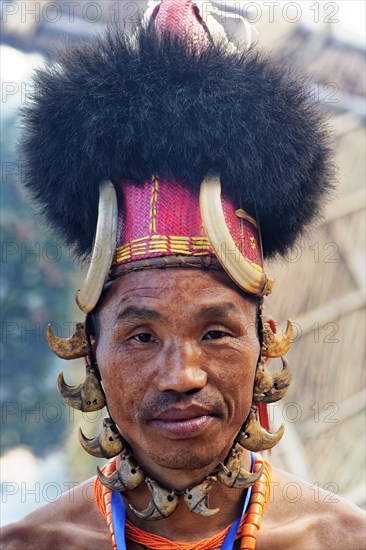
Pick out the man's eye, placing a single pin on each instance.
(214, 335)
(144, 338)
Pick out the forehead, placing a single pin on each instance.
(188, 289)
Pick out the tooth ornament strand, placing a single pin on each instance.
(242, 271)
(69, 348)
(103, 249)
(128, 476)
(248, 528)
(164, 500)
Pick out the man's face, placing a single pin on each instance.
(177, 351)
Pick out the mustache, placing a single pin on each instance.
(203, 398)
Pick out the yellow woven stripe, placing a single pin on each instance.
(140, 239)
(138, 249)
(180, 250)
(154, 246)
(200, 240)
(159, 238)
(174, 238)
(197, 246)
(123, 250)
(122, 257)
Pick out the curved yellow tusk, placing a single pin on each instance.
(243, 272)
(69, 348)
(103, 249)
(274, 346)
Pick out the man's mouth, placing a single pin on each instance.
(183, 422)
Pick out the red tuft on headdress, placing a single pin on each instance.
(181, 19)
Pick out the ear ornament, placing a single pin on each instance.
(88, 396)
(69, 348)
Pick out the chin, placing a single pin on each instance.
(187, 458)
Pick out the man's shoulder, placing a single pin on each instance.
(73, 522)
(303, 516)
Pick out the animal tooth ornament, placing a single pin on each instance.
(269, 387)
(69, 348)
(128, 475)
(162, 504)
(274, 346)
(233, 474)
(107, 444)
(254, 437)
(196, 498)
(87, 397)
(215, 190)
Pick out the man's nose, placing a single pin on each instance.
(181, 369)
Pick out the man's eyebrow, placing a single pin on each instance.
(132, 314)
(223, 311)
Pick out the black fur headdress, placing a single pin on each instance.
(124, 109)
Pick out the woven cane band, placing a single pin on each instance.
(200, 262)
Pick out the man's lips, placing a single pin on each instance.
(183, 423)
(175, 414)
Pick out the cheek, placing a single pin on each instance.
(122, 380)
(235, 378)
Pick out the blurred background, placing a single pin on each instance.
(320, 285)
